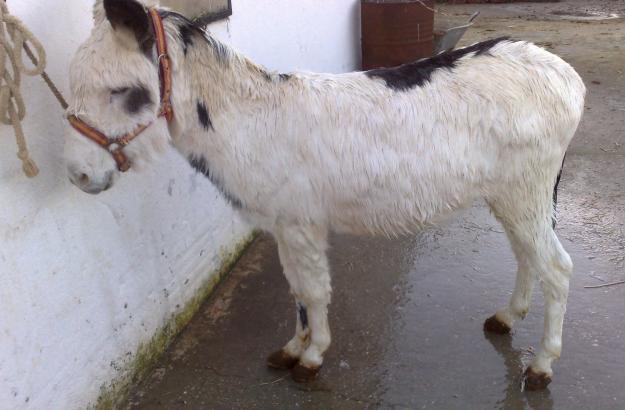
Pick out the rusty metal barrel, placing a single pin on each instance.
(395, 32)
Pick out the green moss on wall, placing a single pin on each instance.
(113, 394)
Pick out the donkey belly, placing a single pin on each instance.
(409, 194)
(397, 212)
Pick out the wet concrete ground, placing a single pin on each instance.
(407, 313)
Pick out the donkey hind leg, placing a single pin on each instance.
(540, 254)
(503, 320)
(303, 256)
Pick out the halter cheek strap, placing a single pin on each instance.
(115, 146)
(164, 65)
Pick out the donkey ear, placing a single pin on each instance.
(131, 22)
(98, 12)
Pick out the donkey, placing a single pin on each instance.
(387, 151)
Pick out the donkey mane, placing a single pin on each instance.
(189, 31)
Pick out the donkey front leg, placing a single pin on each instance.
(287, 357)
(303, 257)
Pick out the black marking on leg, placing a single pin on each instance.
(137, 98)
(201, 165)
(416, 74)
(303, 316)
(204, 117)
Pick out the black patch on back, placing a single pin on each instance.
(416, 74)
(200, 165)
(138, 98)
(285, 77)
(303, 315)
(205, 119)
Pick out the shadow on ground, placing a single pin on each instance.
(407, 314)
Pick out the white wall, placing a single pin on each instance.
(285, 35)
(85, 279)
(192, 8)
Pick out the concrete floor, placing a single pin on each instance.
(407, 314)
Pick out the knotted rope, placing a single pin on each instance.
(15, 37)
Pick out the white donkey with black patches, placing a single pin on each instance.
(382, 152)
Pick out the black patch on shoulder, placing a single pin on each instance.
(204, 117)
(303, 315)
(416, 74)
(200, 165)
(285, 77)
(138, 98)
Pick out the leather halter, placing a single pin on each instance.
(115, 146)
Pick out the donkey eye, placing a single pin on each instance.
(118, 91)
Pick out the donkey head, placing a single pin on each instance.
(115, 89)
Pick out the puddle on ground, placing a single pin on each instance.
(437, 356)
(587, 15)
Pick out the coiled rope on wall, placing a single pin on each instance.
(14, 39)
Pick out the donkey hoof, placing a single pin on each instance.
(303, 374)
(281, 360)
(494, 325)
(535, 380)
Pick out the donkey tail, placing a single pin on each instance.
(554, 219)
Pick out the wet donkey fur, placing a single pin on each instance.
(382, 152)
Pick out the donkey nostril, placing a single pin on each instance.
(83, 179)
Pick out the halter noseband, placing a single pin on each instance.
(115, 146)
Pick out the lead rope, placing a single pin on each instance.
(15, 37)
